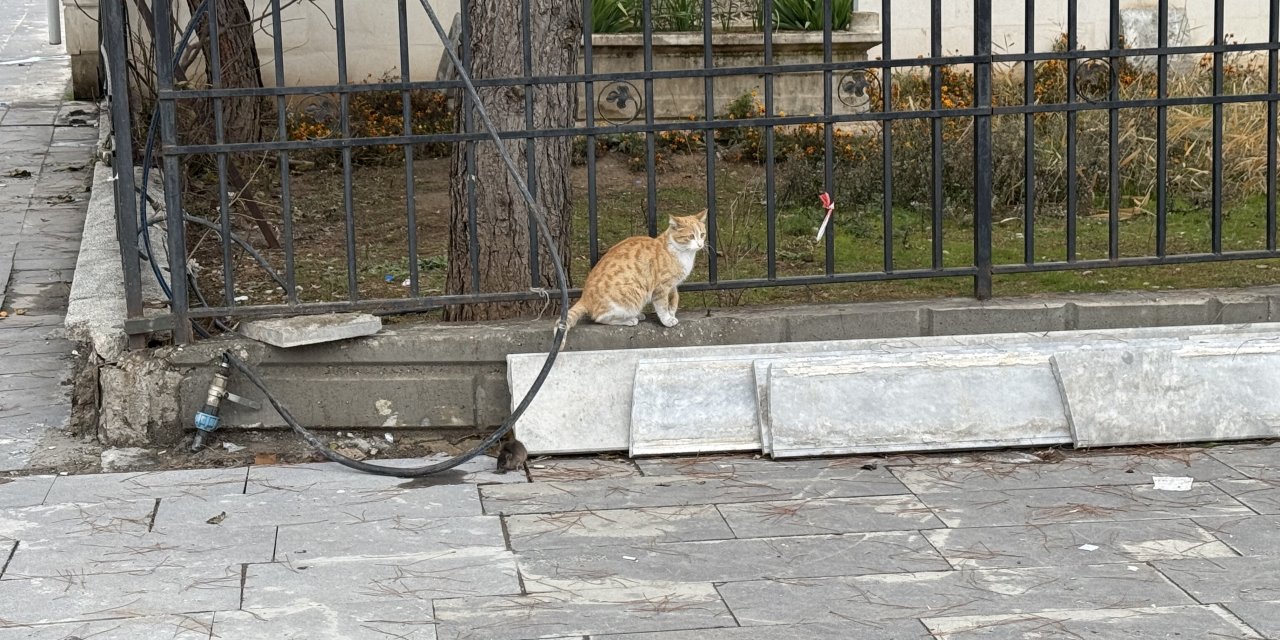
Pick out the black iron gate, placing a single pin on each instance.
(922, 120)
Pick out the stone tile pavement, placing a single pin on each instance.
(46, 145)
(985, 545)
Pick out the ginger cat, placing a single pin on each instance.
(640, 270)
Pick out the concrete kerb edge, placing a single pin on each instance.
(95, 309)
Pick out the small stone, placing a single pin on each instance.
(4, 314)
(127, 458)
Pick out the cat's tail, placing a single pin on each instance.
(575, 314)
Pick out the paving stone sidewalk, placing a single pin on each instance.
(46, 146)
(989, 545)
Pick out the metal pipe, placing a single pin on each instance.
(55, 21)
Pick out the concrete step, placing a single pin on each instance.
(591, 397)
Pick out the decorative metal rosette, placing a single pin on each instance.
(1092, 79)
(619, 102)
(855, 87)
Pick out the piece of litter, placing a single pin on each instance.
(63, 473)
(1088, 547)
(1132, 568)
(631, 558)
(241, 298)
(232, 447)
(539, 466)
(1172, 483)
(390, 438)
(406, 282)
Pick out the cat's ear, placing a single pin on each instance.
(673, 221)
(701, 216)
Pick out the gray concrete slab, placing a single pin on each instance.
(1248, 535)
(59, 555)
(28, 491)
(1263, 496)
(406, 620)
(1121, 397)
(898, 630)
(671, 415)
(1078, 504)
(1076, 544)
(101, 487)
(171, 627)
(630, 493)
(1098, 470)
(331, 476)
(561, 614)
(102, 595)
(1263, 617)
(827, 408)
(1254, 461)
(338, 507)
(1218, 580)
(559, 469)
(298, 331)
(69, 519)
(1145, 623)
(828, 516)
(473, 571)
(577, 529)
(677, 563)
(737, 465)
(901, 596)
(387, 537)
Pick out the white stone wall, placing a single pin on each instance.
(373, 40)
(1246, 19)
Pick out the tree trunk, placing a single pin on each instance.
(239, 67)
(502, 219)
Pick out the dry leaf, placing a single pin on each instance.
(266, 458)
(217, 519)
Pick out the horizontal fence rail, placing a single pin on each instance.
(376, 194)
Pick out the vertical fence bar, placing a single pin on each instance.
(406, 114)
(530, 146)
(176, 228)
(1273, 65)
(1113, 136)
(344, 119)
(282, 132)
(1029, 137)
(650, 154)
(1073, 24)
(593, 230)
(709, 110)
(771, 207)
(829, 135)
(468, 125)
(113, 36)
(1218, 42)
(1162, 132)
(219, 136)
(886, 131)
(935, 86)
(982, 149)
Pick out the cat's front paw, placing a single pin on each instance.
(669, 321)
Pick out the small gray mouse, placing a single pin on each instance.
(512, 456)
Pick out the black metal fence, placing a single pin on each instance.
(1022, 94)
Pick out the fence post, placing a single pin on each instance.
(175, 226)
(116, 44)
(982, 149)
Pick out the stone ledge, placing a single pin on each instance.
(454, 375)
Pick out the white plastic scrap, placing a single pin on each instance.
(1172, 483)
(1088, 547)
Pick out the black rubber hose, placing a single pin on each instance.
(556, 342)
